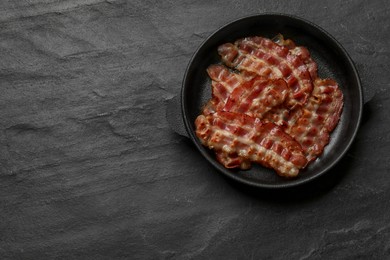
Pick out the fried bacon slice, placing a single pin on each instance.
(300, 51)
(278, 115)
(257, 98)
(268, 59)
(223, 83)
(249, 139)
(233, 160)
(312, 125)
(249, 94)
(269, 106)
(226, 77)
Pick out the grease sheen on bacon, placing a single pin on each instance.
(252, 140)
(223, 83)
(312, 124)
(267, 59)
(248, 94)
(269, 106)
(300, 51)
(257, 97)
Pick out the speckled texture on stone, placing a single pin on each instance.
(89, 168)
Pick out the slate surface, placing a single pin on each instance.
(89, 168)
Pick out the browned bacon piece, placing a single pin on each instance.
(291, 67)
(248, 94)
(257, 97)
(278, 84)
(219, 96)
(227, 78)
(247, 137)
(223, 83)
(299, 51)
(304, 54)
(242, 94)
(278, 115)
(332, 101)
(268, 59)
(233, 160)
(233, 57)
(312, 124)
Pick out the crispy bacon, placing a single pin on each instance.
(304, 54)
(250, 95)
(257, 97)
(312, 124)
(223, 75)
(299, 51)
(252, 140)
(268, 59)
(275, 111)
(278, 115)
(233, 160)
(223, 83)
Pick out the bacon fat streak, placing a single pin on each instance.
(268, 106)
(247, 137)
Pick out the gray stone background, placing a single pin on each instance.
(89, 168)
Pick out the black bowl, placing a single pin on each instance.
(333, 62)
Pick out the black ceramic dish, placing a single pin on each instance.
(333, 62)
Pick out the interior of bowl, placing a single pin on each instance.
(333, 62)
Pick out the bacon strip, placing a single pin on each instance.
(299, 51)
(312, 124)
(278, 115)
(242, 94)
(223, 75)
(257, 97)
(268, 59)
(249, 138)
(223, 83)
(278, 84)
(233, 160)
(251, 95)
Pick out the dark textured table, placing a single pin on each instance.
(90, 169)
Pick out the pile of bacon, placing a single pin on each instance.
(268, 106)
